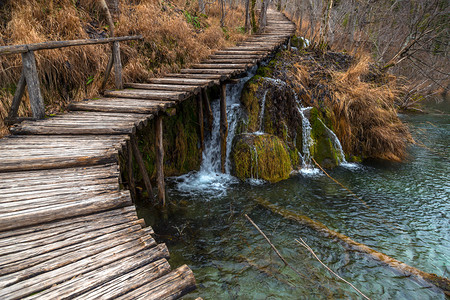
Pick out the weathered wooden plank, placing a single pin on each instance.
(215, 77)
(128, 281)
(220, 66)
(41, 231)
(227, 72)
(171, 286)
(110, 281)
(122, 105)
(45, 280)
(24, 260)
(187, 81)
(148, 94)
(56, 212)
(164, 87)
(55, 231)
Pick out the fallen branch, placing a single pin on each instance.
(273, 247)
(304, 244)
(438, 281)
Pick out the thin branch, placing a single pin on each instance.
(273, 247)
(303, 243)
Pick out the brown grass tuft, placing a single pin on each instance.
(71, 74)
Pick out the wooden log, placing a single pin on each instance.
(17, 97)
(128, 281)
(187, 81)
(43, 252)
(201, 121)
(148, 94)
(226, 72)
(440, 282)
(108, 70)
(164, 87)
(159, 163)
(214, 77)
(142, 168)
(117, 66)
(223, 126)
(131, 183)
(33, 85)
(171, 286)
(46, 280)
(110, 281)
(121, 105)
(65, 210)
(219, 66)
(61, 44)
(208, 110)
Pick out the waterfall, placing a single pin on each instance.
(261, 113)
(209, 179)
(336, 143)
(306, 138)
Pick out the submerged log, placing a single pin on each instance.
(438, 281)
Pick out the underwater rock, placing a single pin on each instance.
(260, 156)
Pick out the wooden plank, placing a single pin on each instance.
(45, 280)
(122, 105)
(148, 94)
(227, 72)
(57, 212)
(171, 286)
(216, 77)
(187, 81)
(110, 281)
(128, 281)
(164, 87)
(220, 66)
(42, 254)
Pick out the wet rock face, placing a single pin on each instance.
(261, 156)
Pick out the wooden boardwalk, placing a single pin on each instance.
(67, 230)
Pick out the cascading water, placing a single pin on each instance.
(209, 179)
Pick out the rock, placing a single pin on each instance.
(262, 156)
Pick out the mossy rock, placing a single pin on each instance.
(260, 156)
(322, 150)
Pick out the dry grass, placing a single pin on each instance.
(71, 74)
(364, 116)
(359, 104)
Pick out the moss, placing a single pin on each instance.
(260, 156)
(250, 102)
(322, 149)
(180, 141)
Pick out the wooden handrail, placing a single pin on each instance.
(16, 49)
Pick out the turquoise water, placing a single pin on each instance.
(408, 219)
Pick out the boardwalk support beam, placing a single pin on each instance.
(201, 121)
(208, 110)
(159, 160)
(223, 126)
(142, 168)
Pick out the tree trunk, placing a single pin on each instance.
(263, 16)
(201, 6)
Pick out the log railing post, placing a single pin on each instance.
(117, 66)
(33, 85)
(223, 126)
(160, 160)
(201, 121)
(17, 97)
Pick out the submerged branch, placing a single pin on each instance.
(438, 281)
(304, 244)
(273, 247)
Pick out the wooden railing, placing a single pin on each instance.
(29, 76)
